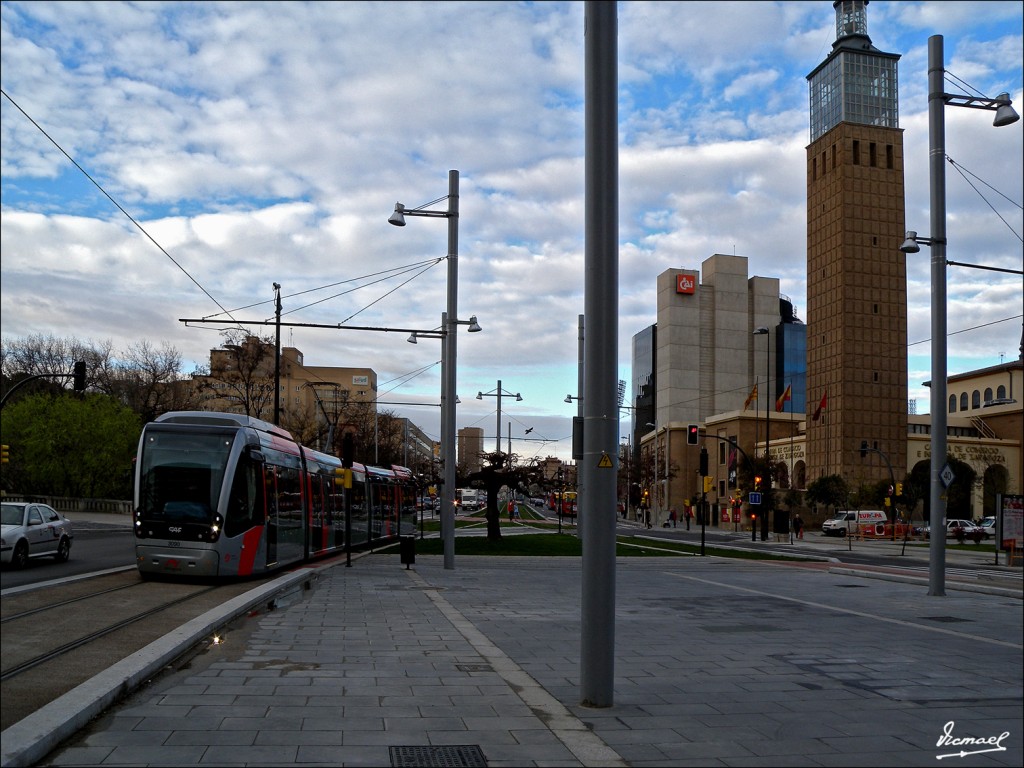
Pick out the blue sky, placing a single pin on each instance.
(268, 142)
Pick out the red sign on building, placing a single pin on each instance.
(685, 283)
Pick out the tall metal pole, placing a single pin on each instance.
(767, 432)
(937, 176)
(277, 354)
(497, 441)
(448, 384)
(600, 397)
(581, 488)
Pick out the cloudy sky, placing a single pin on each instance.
(268, 142)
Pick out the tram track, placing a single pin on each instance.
(57, 637)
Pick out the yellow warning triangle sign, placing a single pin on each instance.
(605, 462)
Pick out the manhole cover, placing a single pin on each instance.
(451, 756)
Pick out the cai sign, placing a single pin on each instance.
(685, 283)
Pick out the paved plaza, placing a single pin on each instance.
(717, 662)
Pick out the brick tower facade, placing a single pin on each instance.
(856, 274)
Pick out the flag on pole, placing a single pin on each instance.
(821, 406)
(787, 395)
(750, 398)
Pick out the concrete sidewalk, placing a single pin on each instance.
(717, 662)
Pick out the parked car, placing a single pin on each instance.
(988, 525)
(956, 529)
(33, 530)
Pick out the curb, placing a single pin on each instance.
(30, 740)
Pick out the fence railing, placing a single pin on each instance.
(65, 504)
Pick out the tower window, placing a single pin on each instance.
(871, 151)
(889, 160)
(856, 152)
(963, 401)
(814, 169)
(833, 156)
(874, 376)
(874, 309)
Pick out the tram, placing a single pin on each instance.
(226, 495)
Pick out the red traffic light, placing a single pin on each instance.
(692, 434)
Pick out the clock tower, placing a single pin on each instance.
(856, 274)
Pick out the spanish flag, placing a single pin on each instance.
(821, 406)
(750, 398)
(787, 395)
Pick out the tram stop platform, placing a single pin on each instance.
(712, 661)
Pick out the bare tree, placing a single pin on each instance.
(241, 376)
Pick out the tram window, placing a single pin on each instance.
(243, 512)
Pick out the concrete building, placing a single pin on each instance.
(703, 358)
(845, 372)
(470, 449)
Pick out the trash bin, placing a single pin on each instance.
(407, 550)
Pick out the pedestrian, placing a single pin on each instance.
(688, 513)
(798, 526)
(672, 516)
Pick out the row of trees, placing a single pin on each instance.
(65, 444)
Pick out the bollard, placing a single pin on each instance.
(407, 550)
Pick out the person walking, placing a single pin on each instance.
(672, 516)
(798, 526)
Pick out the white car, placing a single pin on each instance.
(33, 530)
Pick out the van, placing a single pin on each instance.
(871, 522)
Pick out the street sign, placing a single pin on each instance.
(753, 497)
(946, 476)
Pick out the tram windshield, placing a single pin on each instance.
(181, 475)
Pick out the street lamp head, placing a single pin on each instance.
(1005, 113)
(474, 326)
(518, 397)
(479, 395)
(412, 339)
(910, 245)
(761, 331)
(398, 217)
(568, 398)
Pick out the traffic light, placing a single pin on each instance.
(757, 482)
(709, 484)
(347, 449)
(692, 434)
(703, 461)
(899, 489)
(79, 376)
(343, 477)
(5, 455)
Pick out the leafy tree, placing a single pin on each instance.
(828, 491)
(958, 495)
(71, 446)
(500, 470)
(961, 490)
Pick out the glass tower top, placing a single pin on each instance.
(857, 83)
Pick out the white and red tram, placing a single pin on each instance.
(226, 495)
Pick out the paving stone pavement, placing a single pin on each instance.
(718, 662)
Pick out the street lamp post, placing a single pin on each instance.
(1005, 115)
(448, 357)
(763, 331)
(277, 354)
(498, 393)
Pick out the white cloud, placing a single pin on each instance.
(268, 142)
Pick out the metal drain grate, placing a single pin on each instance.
(452, 756)
(946, 619)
